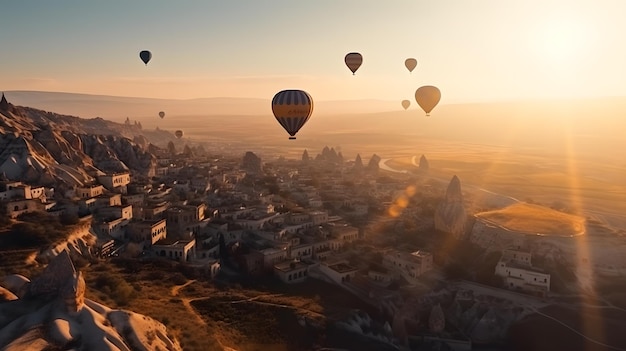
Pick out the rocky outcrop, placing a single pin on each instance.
(305, 156)
(358, 163)
(60, 281)
(424, 166)
(46, 148)
(436, 320)
(4, 104)
(251, 163)
(51, 313)
(451, 216)
(372, 166)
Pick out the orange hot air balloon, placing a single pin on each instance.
(406, 104)
(292, 109)
(353, 61)
(427, 97)
(179, 134)
(410, 64)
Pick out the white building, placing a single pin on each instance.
(148, 231)
(178, 250)
(409, 265)
(116, 182)
(338, 271)
(291, 272)
(516, 268)
(89, 191)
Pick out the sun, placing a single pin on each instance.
(561, 42)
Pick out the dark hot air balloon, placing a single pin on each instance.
(353, 61)
(179, 134)
(427, 97)
(161, 114)
(292, 109)
(145, 56)
(410, 64)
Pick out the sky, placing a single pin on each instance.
(474, 51)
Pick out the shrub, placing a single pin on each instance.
(178, 279)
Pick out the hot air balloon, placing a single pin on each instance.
(410, 64)
(292, 109)
(406, 104)
(427, 97)
(145, 56)
(179, 134)
(161, 114)
(353, 61)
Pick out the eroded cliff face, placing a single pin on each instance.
(46, 148)
(51, 312)
(451, 216)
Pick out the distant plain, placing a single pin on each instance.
(568, 154)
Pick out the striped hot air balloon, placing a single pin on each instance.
(292, 109)
(353, 61)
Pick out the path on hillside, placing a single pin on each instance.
(176, 288)
(579, 333)
(187, 303)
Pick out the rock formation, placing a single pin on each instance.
(451, 216)
(358, 163)
(305, 156)
(51, 313)
(424, 165)
(45, 148)
(436, 320)
(251, 163)
(4, 104)
(372, 166)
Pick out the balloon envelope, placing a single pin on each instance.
(410, 64)
(353, 61)
(427, 97)
(161, 114)
(179, 134)
(292, 109)
(406, 104)
(145, 56)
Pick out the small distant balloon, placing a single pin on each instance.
(179, 134)
(406, 104)
(410, 64)
(292, 109)
(427, 97)
(161, 114)
(353, 61)
(145, 56)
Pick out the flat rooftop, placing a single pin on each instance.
(289, 266)
(174, 243)
(342, 267)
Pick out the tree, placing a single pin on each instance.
(223, 248)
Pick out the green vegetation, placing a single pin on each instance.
(36, 230)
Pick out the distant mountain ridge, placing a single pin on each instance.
(116, 107)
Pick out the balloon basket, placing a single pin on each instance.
(292, 138)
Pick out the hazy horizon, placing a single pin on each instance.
(568, 49)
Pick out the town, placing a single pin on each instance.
(373, 233)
